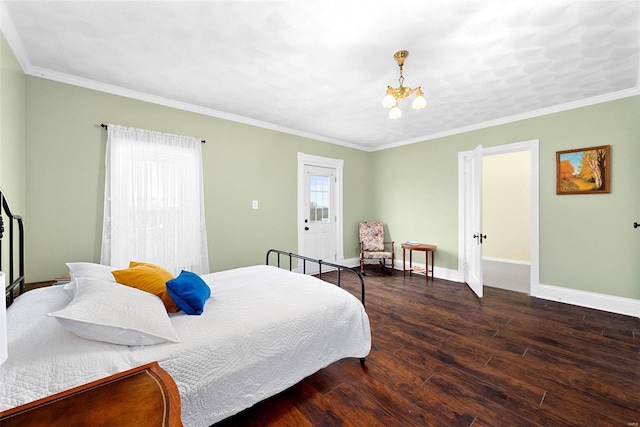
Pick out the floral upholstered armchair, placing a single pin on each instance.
(372, 244)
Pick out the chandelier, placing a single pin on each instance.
(397, 94)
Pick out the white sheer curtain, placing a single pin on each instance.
(154, 201)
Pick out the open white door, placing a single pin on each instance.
(473, 237)
(470, 213)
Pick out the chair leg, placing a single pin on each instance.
(393, 255)
(390, 266)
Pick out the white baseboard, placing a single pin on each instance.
(439, 272)
(610, 303)
(513, 275)
(351, 262)
(355, 262)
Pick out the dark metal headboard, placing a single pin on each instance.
(15, 281)
(337, 267)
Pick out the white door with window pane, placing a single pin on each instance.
(319, 213)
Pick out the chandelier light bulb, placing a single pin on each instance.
(419, 102)
(395, 112)
(388, 101)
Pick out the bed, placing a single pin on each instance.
(263, 329)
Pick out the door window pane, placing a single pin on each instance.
(319, 198)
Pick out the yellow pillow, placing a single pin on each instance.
(150, 278)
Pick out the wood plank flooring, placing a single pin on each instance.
(442, 357)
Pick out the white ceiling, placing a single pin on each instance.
(319, 68)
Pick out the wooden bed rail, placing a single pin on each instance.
(337, 267)
(16, 281)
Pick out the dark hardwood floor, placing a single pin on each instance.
(440, 356)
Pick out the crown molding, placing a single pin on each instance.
(515, 118)
(142, 96)
(154, 99)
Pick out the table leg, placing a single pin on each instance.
(426, 262)
(433, 263)
(410, 262)
(404, 266)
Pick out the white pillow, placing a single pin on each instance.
(90, 269)
(115, 313)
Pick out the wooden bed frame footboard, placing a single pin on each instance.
(331, 267)
(142, 396)
(16, 281)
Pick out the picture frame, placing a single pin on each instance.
(584, 170)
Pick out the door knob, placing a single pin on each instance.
(481, 236)
(306, 228)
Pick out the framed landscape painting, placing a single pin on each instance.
(584, 170)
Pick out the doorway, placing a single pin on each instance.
(469, 256)
(506, 216)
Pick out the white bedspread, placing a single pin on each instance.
(263, 330)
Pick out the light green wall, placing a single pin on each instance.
(12, 128)
(12, 139)
(65, 178)
(506, 206)
(587, 242)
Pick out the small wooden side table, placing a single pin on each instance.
(428, 249)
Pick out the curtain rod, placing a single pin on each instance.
(105, 126)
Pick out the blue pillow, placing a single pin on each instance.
(189, 292)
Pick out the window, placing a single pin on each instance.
(154, 201)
